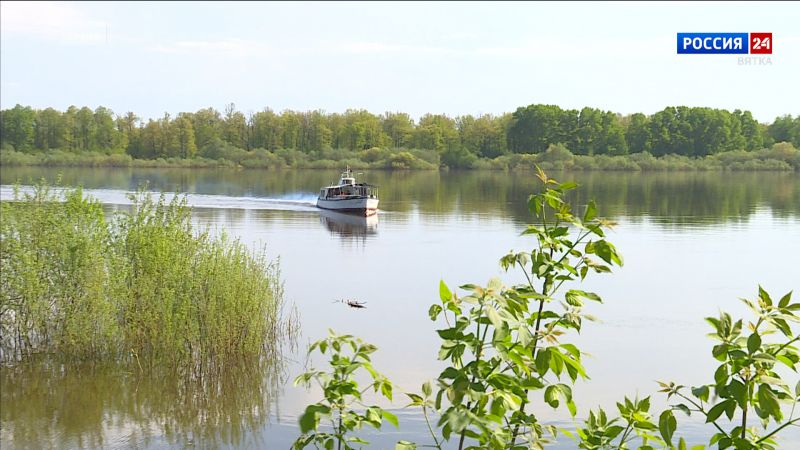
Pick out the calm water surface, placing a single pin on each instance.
(693, 244)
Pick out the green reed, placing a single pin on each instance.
(142, 284)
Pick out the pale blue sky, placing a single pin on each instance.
(453, 58)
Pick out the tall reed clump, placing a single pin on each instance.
(143, 284)
(54, 280)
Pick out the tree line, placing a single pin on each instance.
(690, 131)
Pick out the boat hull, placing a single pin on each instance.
(361, 205)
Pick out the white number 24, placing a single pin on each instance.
(758, 43)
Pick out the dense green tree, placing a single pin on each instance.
(152, 140)
(399, 127)
(85, 129)
(290, 125)
(484, 136)
(362, 130)
(18, 127)
(234, 128)
(106, 137)
(316, 134)
(207, 124)
(535, 127)
(266, 130)
(785, 129)
(455, 142)
(49, 130)
(436, 132)
(71, 138)
(613, 137)
(637, 134)
(184, 133)
(751, 130)
(589, 133)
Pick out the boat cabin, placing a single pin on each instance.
(348, 188)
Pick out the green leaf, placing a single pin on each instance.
(573, 297)
(551, 395)
(391, 418)
(444, 293)
(613, 431)
(542, 361)
(415, 399)
(493, 316)
(606, 251)
(721, 375)
(405, 445)
(701, 393)
(667, 425)
(572, 408)
(434, 311)
(386, 389)
(309, 420)
(784, 302)
(591, 211)
(738, 392)
(457, 420)
(683, 408)
(768, 402)
(730, 409)
(567, 185)
(753, 343)
(764, 296)
(714, 413)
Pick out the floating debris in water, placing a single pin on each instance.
(352, 303)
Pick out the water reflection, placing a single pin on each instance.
(114, 405)
(677, 197)
(349, 226)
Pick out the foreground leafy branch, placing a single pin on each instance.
(341, 403)
(748, 387)
(504, 343)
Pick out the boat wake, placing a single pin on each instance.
(299, 201)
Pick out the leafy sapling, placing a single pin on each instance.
(342, 405)
(747, 402)
(503, 343)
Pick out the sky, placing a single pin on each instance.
(452, 58)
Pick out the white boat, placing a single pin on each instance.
(349, 196)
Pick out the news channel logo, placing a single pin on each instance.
(757, 46)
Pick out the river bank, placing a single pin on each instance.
(780, 157)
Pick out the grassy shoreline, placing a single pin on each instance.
(780, 157)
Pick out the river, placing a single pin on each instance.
(693, 244)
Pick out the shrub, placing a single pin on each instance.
(555, 152)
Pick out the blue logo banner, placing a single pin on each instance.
(713, 43)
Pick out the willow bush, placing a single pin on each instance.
(143, 284)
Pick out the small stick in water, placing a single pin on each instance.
(352, 303)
